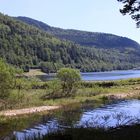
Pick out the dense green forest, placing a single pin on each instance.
(24, 45)
(84, 38)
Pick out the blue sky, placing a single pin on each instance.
(88, 15)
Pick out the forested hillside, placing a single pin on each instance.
(94, 39)
(24, 45)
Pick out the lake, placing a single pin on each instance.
(110, 75)
(108, 116)
(102, 76)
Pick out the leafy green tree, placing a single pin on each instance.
(6, 79)
(69, 78)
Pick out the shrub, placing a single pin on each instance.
(6, 79)
(69, 79)
(53, 90)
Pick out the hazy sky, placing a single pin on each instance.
(89, 15)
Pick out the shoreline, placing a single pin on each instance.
(131, 92)
(25, 111)
(39, 109)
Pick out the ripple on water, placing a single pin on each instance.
(112, 115)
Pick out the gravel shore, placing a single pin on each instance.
(31, 110)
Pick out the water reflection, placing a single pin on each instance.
(37, 131)
(112, 115)
(110, 75)
(122, 113)
(58, 122)
(100, 76)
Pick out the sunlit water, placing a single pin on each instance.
(103, 76)
(113, 115)
(111, 75)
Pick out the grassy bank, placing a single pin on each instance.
(35, 93)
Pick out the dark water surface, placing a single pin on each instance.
(107, 116)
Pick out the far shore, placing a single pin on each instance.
(37, 73)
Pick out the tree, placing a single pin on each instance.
(6, 79)
(131, 7)
(47, 67)
(69, 78)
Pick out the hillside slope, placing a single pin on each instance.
(99, 40)
(25, 45)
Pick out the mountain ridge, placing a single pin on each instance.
(84, 38)
(24, 45)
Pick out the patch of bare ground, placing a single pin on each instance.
(121, 95)
(31, 110)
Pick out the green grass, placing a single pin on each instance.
(89, 93)
(32, 93)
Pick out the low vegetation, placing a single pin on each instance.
(67, 91)
(19, 92)
(6, 79)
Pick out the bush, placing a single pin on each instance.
(6, 79)
(53, 90)
(69, 79)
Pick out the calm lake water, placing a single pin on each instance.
(110, 75)
(103, 76)
(111, 115)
